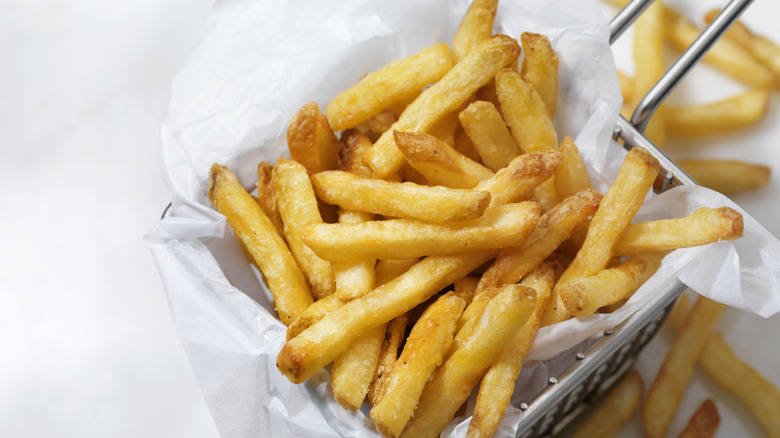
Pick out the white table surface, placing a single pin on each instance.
(89, 347)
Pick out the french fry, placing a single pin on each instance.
(616, 409)
(571, 177)
(650, 65)
(703, 423)
(404, 200)
(525, 112)
(476, 26)
(388, 356)
(387, 270)
(529, 122)
(374, 127)
(540, 67)
(298, 208)
(439, 162)
(266, 196)
(497, 385)
(311, 140)
(703, 226)
(762, 48)
(521, 175)
(465, 146)
(727, 115)
(465, 288)
(452, 383)
(555, 226)
(736, 376)
(353, 370)
(355, 276)
(355, 146)
(258, 235)
(424, 350)
(445, 128)
(617, 208)
(487, 130)
(442, 98)
(396, 82)
(726, 176)
(315, 312)
(726, 55)
(318, 345)
(500, 226)
(609, 286)
(667, 389)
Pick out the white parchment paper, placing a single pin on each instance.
(259, 62)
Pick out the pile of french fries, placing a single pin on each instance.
(418, 251)
(749, 59)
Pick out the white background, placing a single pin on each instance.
(88, 345)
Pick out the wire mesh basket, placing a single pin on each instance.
(596, 370)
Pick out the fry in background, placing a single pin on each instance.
(727, 115)
(703, 423)
(726, 176)
(668, 387)
(311, 140)
(616, 409)
(476, 26)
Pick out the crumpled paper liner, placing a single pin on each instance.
(257, 64)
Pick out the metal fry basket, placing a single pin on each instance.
(597, 369)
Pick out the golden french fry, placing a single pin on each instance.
(311, 140)
(298, 208)
(540, 67)
(442, 98)
(703, 423)
(727, 115)
(404, 200)
(315, 312)
(266, 196)
(667, 389)
(318, 345)
(616, 409)
(530, 124)
(762, 48)
(736, 376)
(487, 130)
(258, 235)
(353, 370)
(476, 26)
(555, 226)
(571, 177)
(377, 125)
(650, 65)
(445, 128)
(611, 285)
(424, 350)
(497, 385)
(439, 162)
(525, 112)
(523, 173)
(465, 288)
(617, 208)
(498, 227)
(452, 383)
(705, 225)
(465, 146)
(356, 276)
(387, 270)
(388, 356)
(726, 176)
(397, 82)
(726, 55)
(355, 145)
